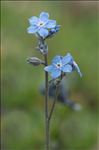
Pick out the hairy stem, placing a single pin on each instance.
(46, 105)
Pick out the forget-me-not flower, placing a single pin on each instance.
(41, 25)
(53, 31)
(61, 64)
(74, 64)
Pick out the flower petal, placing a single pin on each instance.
(51, 24)
(32, 29)
(56, 73)
(44, 16)
(77, 68)
(67, 59)
(49, 68)
(33, 20)
(66, 68)
(57, 59)
(43, 32)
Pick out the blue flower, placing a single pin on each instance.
(53, 31)
(59, 64)
(41, 25)
(74, 64)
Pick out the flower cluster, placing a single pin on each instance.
(61, 65)
(45, 28)
(42, 26)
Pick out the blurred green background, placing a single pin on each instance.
(22, 105)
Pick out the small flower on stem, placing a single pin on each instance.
(41, 25)
(74, 65)
(59, 64)
(53, 31)
(62, 65)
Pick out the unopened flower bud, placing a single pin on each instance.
(35, 61)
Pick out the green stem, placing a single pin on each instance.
(53, 105)
(46, 105)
